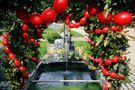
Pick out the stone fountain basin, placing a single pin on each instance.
(60, 74)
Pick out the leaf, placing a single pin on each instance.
(105, 43)
(99, 40)
(115, 66)
(121, 68)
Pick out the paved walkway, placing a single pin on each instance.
(79, 39)
(1, 38)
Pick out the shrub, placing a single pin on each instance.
(51, 35)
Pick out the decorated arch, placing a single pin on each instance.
(103, 20)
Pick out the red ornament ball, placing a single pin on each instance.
(5, 35)
(105, 20)
(59, 6)
(17, 63)
(35, 19)
(11, 56)
(123, 18)
(48, 16)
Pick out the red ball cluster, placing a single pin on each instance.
(91, 10)
(76, 24)
(107, 63)
(106, 30)
(11, 56)
(112, 74)
(47, 16)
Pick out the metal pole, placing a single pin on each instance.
(66, 46)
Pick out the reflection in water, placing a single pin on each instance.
(63, 75)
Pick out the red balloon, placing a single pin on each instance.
(115, 59)
(25, 27)
(105, 72)
(59, 6)
(77, 25)
(121, 77)
(22, 68)
(105, 30)
(70, 15)
(5, 42)
(86, 14)
(32, 40)
(17, 63)
(123, 18)
(93, 9)
(67, 21)
(48, 16)
(115, 28)
(108, 62)
(98, 31)
(26, 75)
(25, 35)
(113, 75)
(35, 19)
(11, 56)
(6, 49)
(5, 35)
(101, 17)
(71, 25)
(83, 21)
(34, 59)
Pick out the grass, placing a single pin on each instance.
(0, 42)
(43, 49)
(83, 44)
(75, 34)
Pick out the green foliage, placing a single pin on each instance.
(75, 34)
(43, 49)
(51, 35)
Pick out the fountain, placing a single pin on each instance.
(63, 75)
